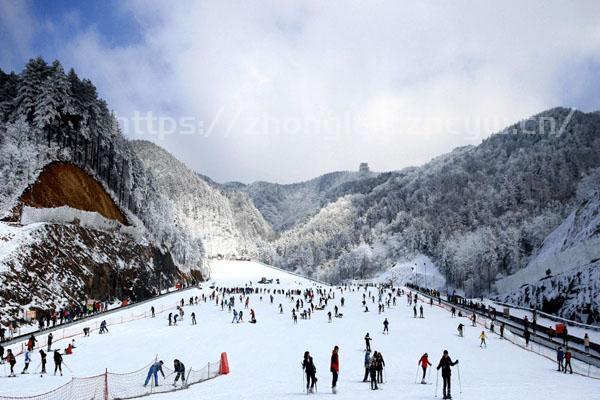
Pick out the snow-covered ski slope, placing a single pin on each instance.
(265, 357)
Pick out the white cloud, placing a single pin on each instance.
(301, 88)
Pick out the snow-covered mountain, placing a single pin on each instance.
(479, 212)
(285, 206)
(226, 222)
(563, 278)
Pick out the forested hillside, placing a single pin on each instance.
(478, 212)
(226, 222)
(48, 115)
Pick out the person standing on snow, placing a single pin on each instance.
(193, 318)
(421, 311)
(379, 365)
(560, 355)
(57, 362)
(460, 329)
(368, 342)
(586, 343)
(367, 364)
(568, 361)
(12, 361)
(386, 326)
(424, 362)
(482, 337)
(334, 368)
(43, 361)
(445, 364)
(154, 370)
(309, 368)
(27, 361)
(31, 343)
(49, 342)
(179, 371)
(373, 372)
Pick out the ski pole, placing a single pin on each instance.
(65, 364)
(429, 375)
(417, 374)
(459, 384)
(436, 381)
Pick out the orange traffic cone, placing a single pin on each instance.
(224, 365)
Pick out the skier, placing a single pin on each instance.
(170, 319)
(379, 365)
(482, 337)
(57, 362)
(309, 368)
(11, 360)
(1, 354)
(43, 361)
(453, 311)
(560, 355)
(373, 372)
(367, 364)
(474, 319)
(27, 361)
(424, 361)
(154, 370)
(103, 328)
(368, 342)
(386, 326)
(334, 368)
(415, 311)
(329, 316)
(445, 364)
(421, 311)
(175, 319)
(502, 330)
(193, 318)
(180, 372)
(252, 316)
(31, 343)
(50, 342)
(240, 314)
(526, 335)
(152, 311)
(69, 349)
(460, 329)
(568, 361)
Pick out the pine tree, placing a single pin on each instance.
(30, 87)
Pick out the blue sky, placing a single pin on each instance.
(284, 91)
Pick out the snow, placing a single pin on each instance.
(265, 358)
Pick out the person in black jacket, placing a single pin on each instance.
(43, 361)
(57, 362)
(180, 372)
(309, 368)
(445, 364)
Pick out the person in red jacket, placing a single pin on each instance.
(568, 361)
(424, 361)
(334, 368)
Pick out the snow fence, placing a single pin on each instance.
(112, 386)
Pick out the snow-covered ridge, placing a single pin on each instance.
(227, 223)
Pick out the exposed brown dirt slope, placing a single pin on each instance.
(63, 184)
